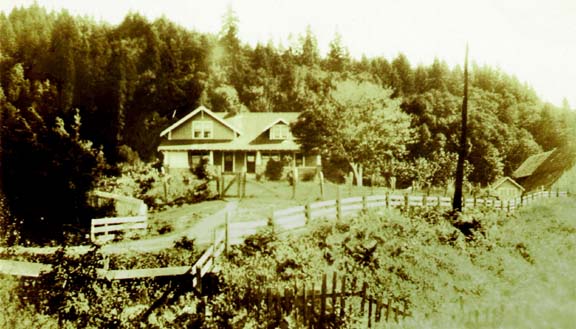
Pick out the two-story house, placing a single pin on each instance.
(232, 142)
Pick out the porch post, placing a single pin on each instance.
(258, 158)
(211, 158)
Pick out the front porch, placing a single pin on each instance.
(251, 162)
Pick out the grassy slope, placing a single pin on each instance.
(519, 274)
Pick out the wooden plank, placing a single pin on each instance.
(21, 268)
(356, 199)
(118, 220)
(376, 198)
(322, 204)
(144, 273)
(291, 222)
(247, 225)
(290, 211)
(415, 200)
(119, 227)
(351, 208)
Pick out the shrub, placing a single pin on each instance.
(201, 169)
(274, 169)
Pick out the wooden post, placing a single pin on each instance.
(227, 232)
(406, 202)
(363, 295)
(364, 203)
(350, 182)
(322, 302)
(334, 300)
(475, 201)
(369, 313)
(372, 184)
(424, 200)
(294, 181)
(508, 205)
(311, 298)
(387, 200)
(198, 275)
(342, 296)
(388, 306)
(338, 208)
(308, 213)
(304, 308)
(222, 186)
(321, 181)
(165, 188)
(238, 183)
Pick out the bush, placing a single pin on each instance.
(201, 170)
(274, 170)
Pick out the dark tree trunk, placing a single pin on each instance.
(457, 202)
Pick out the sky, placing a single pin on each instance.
(534, 40)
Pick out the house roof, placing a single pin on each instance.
(503, 180)
(200, 108)
(552, 168)
(528, 167)
(251, 127)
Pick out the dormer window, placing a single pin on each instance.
(202, 129)
(279, 132)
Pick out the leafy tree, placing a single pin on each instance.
(358, 122)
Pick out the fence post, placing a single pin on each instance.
(363, 295)
(424, 201)
(227, 232)
(338, 203)
(372, 184)
(387, 199)
(388, 307)
(322, 301)
(334, 300)
(364, 203)
(508, 205)
(342, 296)
(321, 179)
(350, 182)
(294, 181)
(304, 308)
(369, 313)
(308, 213)
(198, 274)
(406, 202)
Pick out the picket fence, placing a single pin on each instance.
(101, 228)
(321, 308)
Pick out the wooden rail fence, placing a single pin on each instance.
(101, 228)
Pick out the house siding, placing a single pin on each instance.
(508, 190)
(184, 131)
(176, 160)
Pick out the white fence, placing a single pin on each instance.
(101, 228)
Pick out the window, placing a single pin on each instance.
(279, 131)
(202, 129)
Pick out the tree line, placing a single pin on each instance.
(78, 96)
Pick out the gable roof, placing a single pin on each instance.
(552, 168)
(507, 179)
(200, 108)
(530, 165)
(250, 125)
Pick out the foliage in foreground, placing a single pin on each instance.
(488, 269)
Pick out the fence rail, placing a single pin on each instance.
(101, 228)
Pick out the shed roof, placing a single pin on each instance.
(552, 168)
(503, 180)
(530, 165)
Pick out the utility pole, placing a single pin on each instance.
(463, 150)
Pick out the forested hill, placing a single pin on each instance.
(75, 92)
